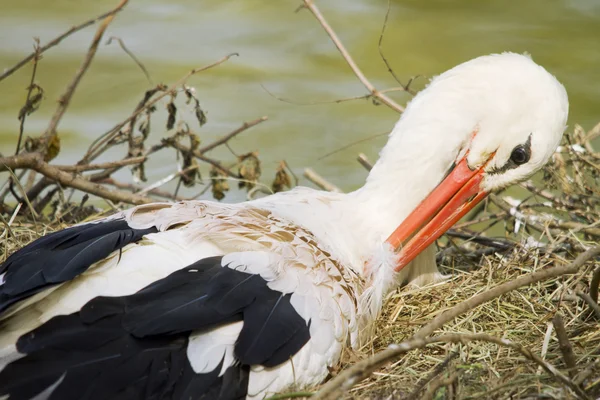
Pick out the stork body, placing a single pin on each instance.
(204, 300)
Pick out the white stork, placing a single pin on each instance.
(202, 300)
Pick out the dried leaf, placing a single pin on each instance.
(53, 147)
(33, 103)
(220, 185)
(249, 170)
(191, 96)
(172, 110)
(192, 173)
(282, 179)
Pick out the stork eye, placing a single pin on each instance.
(520, 155)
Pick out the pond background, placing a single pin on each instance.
(287, 53)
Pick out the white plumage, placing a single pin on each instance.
(327, 252)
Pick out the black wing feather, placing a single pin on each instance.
(135, 347)
(61, 256)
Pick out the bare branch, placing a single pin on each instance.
(94, 151)
(364, 161)
(106, 165)
(65, 99)
(226, 138)
(321, 182)
(35, 162)
(337, 42)
(564, 344)
(130, 54)
(59, 38)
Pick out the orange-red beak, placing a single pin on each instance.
(458, 193)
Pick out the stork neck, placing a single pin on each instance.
(410, 166)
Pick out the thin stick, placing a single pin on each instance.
(106, 165)
(321, 182)
(337, 42)
(130, 54)
(364, 161)
(564, 344)
(65, 99)
(59, 38)
(226, 138)
(594, 283)
(363, 369)
(136, 188)
(437, 370)
(93, 151)
(35, 162)
(594, 307)
(202, 157)
(405, 88)
(36, 59)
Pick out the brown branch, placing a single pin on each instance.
(202, 157)
(438, 384)
(405, 88)
(321, 182)
(35, 162)
(337, 42)
(65, 99)
(93, 151)
(106, 165)
(28, 107)
(130, 54)
(364, 161)
(226, 138)
(437, 370)
(59, 38)
(363, 369)
(564, 344)
(594, 284)
(136, 188)
(594, 307)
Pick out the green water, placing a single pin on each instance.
(288, 53)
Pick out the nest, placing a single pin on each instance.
(556, 319)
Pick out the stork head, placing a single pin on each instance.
(517, 113)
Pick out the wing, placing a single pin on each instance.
(196, 334)
(150, 318)
(61, 256)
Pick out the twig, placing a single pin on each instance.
(564, 344)
(437, 384)
(94, 151)
(437, 370)
(35, 162)
(352, 144)
(202, 157)
(337, 42)
(28, 105)
(594, 307)
(321, 182)
(364, 161)
(136, 188)
(106, 165)
(226, 138)
(594, 283)
(363, 369)
(167, 179)
(65, 99)
(130, 54)
(59, 38)
(406, 88)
